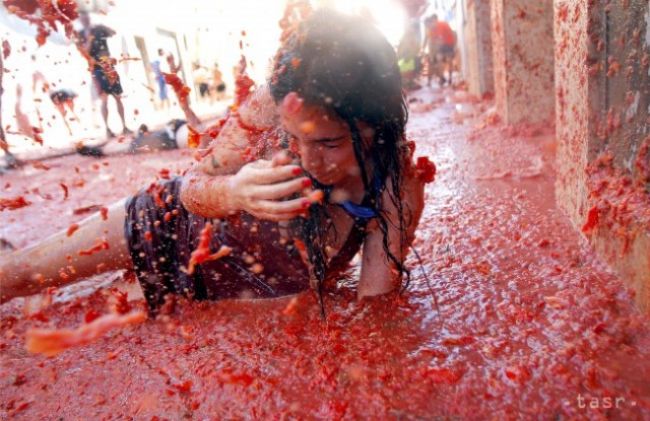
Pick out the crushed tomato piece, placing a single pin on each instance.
(86, 209)
(14, 203)
(46, 15)
(65, 191)
(181, 90)
(164, 173)
(6, 49)
(202, 253)
(442, 375)
(99, 246)
(72, 229)
(193, 137)
(592, 220)
(425, 169)
(40, 166)
(243, 86)
(50, 342)
(291, 307)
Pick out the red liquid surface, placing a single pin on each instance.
(528, 322)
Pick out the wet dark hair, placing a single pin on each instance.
(346, 65)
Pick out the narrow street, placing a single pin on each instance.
(516, 315)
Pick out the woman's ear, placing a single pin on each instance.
(292, 103)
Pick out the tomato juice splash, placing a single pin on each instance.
(13, 203)
(46, 15)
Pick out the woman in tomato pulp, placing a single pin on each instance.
(309, 170)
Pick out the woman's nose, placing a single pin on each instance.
(311, 158)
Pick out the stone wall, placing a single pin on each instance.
(478, 42)
(522, 43)
(602, 54)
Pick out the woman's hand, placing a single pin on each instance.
(261, 188)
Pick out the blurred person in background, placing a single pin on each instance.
(201, 78)
(408, 54)
(92, 42)
(218, 85)
(156, 69)
(440, 48)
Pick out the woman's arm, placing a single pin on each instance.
(226, 151)
(223, 182)
(257, 188)
(378, 273)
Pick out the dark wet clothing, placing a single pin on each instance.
(262, 262)
(62, 96)
(166, 138)
(108, 80)
(104, 73)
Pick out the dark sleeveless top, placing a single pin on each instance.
(161, 235)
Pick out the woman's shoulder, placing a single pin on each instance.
(260, 110)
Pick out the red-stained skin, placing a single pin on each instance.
(527, 318)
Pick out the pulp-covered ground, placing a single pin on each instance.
(516, 318)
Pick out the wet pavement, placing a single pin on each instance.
(516, 317)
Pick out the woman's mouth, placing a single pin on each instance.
(322, 178)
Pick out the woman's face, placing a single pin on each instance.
(323, 141)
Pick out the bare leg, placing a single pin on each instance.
(120, 111)
(57, 261)
(61, 108)
(438, 68)
(74, 114)
(104, 98)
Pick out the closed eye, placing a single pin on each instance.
(331, 145)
